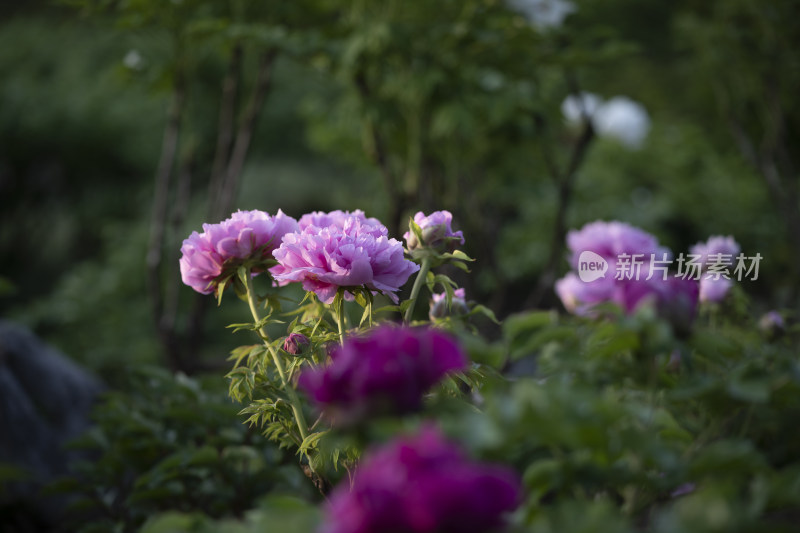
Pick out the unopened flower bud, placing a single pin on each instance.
(436, 232)
(296, 343)
(458, 305)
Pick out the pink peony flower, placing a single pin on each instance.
(386, 372)
(422, 484)
(350, 253)
(437, 232)
(336, 218)
(610, 240)
(578, 296)
(221, 248)
(675, 299)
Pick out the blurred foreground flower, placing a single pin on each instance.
(245, 237)
(352, 252)
(422, 484)
(386, 372)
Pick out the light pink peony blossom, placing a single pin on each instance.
(350, 253)
(336, 218)
(610, 240)
(221, 248)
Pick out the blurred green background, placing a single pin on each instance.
(386, 106)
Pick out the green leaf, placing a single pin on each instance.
(310, 442)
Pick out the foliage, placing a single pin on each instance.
(169, 443)
(614, 423)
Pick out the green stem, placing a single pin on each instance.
(422, 275)
(340, 317)
(293, 400)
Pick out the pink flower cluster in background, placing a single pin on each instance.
(422, 484)
(673, 297)
(246, 235)
(386, 372)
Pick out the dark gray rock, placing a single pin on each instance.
(45, 400)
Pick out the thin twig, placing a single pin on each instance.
(163, 176)
(246, 128)
(227, 116)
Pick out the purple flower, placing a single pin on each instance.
(717, 249)
(295, 343)
(386, 372)
(349, 253)
(578, 297)
(422, 484)
(714, 289)
(458, 305)
(437, 232)
(675, 299)
(221, 248)
(610, 240)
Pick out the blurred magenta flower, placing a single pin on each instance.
(422, 484)
(578, 296)
(386, 372)
(295, 343)
(349, 253)
(437, 232)
(675, 299)
(717, 255)
(438, 306)
(716, 248)
(610, 240)
(247, 236)
(714, 290)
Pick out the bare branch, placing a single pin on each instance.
(246, 129)
(163, 176)
(227, 115)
